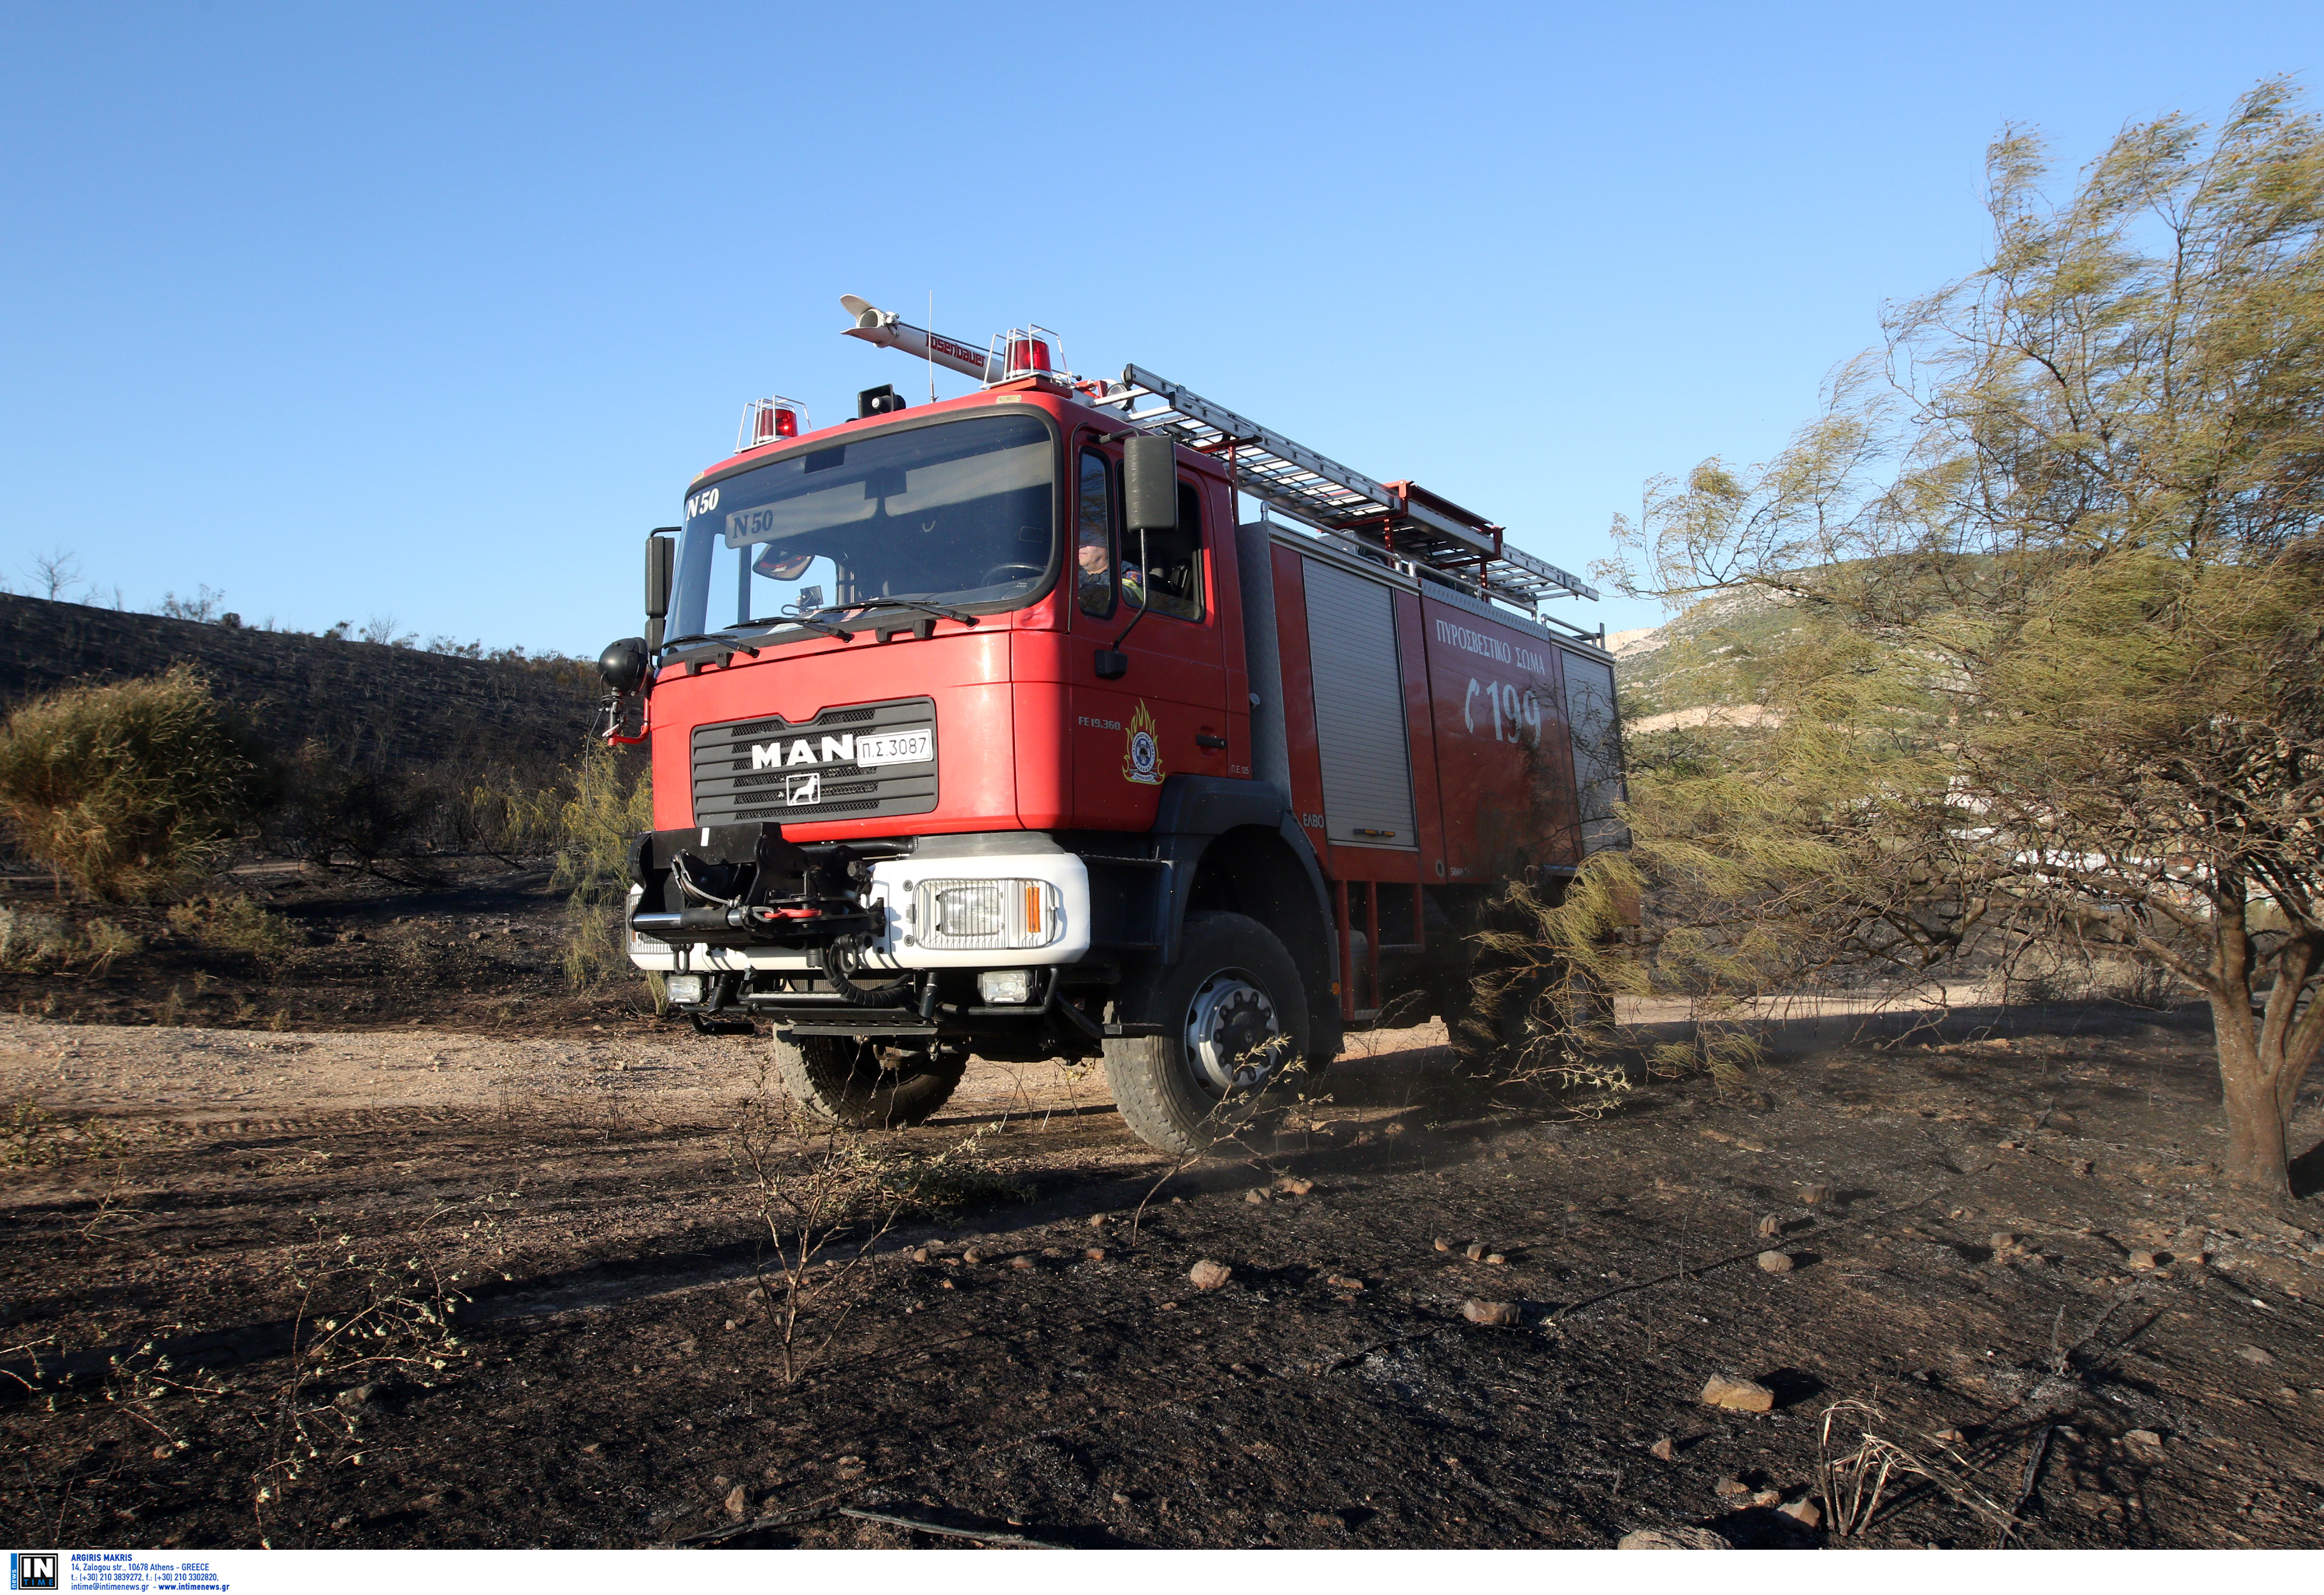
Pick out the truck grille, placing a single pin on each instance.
(748, 770)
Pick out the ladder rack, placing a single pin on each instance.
(1401, 519)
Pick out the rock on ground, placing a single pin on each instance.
(1501, 1313)
(1742, 1395)
(1675, 1539)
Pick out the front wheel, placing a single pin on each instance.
(865, 1086)
(1232, 1014)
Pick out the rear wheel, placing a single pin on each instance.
(1232, 1014)
(866, 1086)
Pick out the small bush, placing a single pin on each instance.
(129, 789)
(234, 924)
(340, 814)
(29, 938)
(510, 820)
(2146, 986)
(107, 942)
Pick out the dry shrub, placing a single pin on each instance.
(129, 789)
(108, 942)
(2146, 985)
(29, 938)
(1543, 1006)
(825, 1197)
(511, 820)
(942, 1185)
(348, 813)
(595, 829)
(371, 1311)
(1854, 1484)
(235, 924)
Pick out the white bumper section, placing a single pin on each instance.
(902, 889)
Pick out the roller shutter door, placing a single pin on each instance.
(1360, 719)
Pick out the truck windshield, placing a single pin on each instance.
(958, 512)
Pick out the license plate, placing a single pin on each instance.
(895, 747)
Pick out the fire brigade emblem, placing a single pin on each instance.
(1143, 762)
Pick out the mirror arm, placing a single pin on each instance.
(1145, 580)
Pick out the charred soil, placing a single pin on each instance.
(472, 944)
(2002, 1252)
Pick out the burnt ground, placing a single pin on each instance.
(468, 942)
(2016, 1262)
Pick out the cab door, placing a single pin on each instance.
(1156, 605)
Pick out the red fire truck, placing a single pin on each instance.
(992, 724)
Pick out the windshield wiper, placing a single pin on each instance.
(808, 620)
(926, 606)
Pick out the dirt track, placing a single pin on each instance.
(617, 1381)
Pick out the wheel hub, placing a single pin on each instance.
(1234, 1038)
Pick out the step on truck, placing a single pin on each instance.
(992, 725)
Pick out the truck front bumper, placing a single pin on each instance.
(985, 909)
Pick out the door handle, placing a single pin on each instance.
(1205, 739)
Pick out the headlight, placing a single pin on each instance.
(1011, 913)
(969, 912)
(683, 989)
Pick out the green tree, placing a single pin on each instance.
(2034, 647)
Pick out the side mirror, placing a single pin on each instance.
(1149, 483)
(661, 554)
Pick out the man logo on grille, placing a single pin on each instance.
(835, 750)
(32, 1569)
(801, 790)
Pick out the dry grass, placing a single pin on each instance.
(1855, 1484)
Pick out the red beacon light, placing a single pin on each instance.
(771, 421)
(1025, 351)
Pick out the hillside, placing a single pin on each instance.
(1675, 674)
(371, 700)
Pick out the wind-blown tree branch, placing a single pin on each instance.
(2037, 642)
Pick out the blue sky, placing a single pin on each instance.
(430, 312)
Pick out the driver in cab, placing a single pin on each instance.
(1095, 557)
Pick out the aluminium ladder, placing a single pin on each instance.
(1401, 519)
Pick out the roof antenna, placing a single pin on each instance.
(932, 347)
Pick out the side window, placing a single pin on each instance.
(1171, 583)
(1093, 538)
